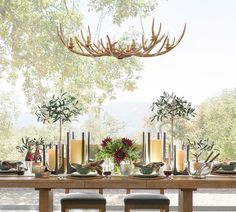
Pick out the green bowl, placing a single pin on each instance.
(146, 170)
(82, 170)
(229, 167)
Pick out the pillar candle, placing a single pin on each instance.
(180, 160)
(76, 151)
(144, 149)
(156, 150)
(51, 158)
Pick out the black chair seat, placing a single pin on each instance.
(83, 198)
(146, 199)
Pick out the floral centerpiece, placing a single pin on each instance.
(118, 150)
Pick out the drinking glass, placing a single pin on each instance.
(107, 169)
(168, 171)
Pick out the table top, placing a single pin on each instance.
(118, 182)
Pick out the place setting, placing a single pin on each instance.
(225, 168)
(149, 171)
(90, 170)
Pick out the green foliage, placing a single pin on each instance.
(123, 9)
(8, 114)
(216, 121)
(169, 106)
(59, 109)
(31, 53)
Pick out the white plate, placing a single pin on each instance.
(76, 174)
(145, 175)
(7, 171)
(221, 171)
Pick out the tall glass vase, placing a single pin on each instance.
(28, 167)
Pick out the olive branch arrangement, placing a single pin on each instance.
(169, 107)
(203, 148)
(60, 109)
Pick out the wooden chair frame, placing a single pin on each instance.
(64, 208)
(129, 207)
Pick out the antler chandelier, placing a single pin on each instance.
(157, 45)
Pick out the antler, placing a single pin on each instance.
(157, 45)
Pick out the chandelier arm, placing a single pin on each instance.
(79, 53)
(98, 48)
(170, 47)
(146, 53)
(106, 50)
(110, 46)
(153, 44)
(144, 43)
(87, 47)
(90, 47)
(103, 45)
(89, 35)
(78, 43)
(153, 23)
(82, 36)
(173, 43)
(159, 31)
(90, 50)
(155, 37)
(60, 34)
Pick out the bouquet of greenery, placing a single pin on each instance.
(118, 150)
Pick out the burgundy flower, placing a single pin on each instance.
(119, 155)
(127, 142)
(105, 141)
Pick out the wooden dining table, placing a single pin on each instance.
(185, 185)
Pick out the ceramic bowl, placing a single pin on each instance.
(228, 167)
(146, 170)
(42, 175)
(38, 169)
(82, 170)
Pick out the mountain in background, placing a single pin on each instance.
(130, 113)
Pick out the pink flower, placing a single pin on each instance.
(119, 155)
(105, 141)
(127, 142)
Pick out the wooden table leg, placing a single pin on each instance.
(185, 200)
(162, 192)
(45, 200)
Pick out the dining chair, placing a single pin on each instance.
(83, 201)
(146, 201)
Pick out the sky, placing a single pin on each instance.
(202, 65)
